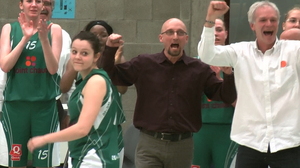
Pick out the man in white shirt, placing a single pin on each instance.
(266, 121)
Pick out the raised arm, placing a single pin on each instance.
(207, 50)
(51, 52)
(9, 57)
(68, 78)
(119, 58)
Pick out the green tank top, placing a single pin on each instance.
(29, 79)
(103, 136)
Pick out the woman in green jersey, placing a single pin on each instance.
(94, 110)
(30, 50)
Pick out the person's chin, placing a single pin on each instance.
(43, 16)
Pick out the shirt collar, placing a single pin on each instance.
(183, 58)
(274, 46)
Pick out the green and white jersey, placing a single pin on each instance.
(29, 79)
(101, 146)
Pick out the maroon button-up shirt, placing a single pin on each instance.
(168, 95)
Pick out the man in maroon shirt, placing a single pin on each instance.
(169, 86)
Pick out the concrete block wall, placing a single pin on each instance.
(139, 21)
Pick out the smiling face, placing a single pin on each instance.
(173, 36)
(31, 8)
(82, 56)
(292, 19)
(46, 12)
(101, 33)
(265, 26)
(220, 32)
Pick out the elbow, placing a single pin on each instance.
(53, 71)
(122, 89)
(64, 85)
(82, 132)
(5, 69)
(64, 89)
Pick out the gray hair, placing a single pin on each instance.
(256, 5)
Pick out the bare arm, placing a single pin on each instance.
(51, 52)
(119, 58)
(9, 57)
(93, 97)
(68, 78)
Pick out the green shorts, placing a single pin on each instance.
(22, 120)
(212, 146)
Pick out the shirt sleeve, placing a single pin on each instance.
(224, 91)
(121, 74)
(214, 55)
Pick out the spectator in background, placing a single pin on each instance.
(102, 30)
(291, 25)
(292, 19)
(215, 149)
(64, 57)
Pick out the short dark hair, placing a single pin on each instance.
(91, 24)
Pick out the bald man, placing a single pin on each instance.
(169, 86)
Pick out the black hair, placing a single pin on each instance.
(91, 24)
(91, 38)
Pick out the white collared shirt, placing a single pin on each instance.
(268, 108)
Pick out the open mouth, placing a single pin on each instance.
(268, 33)
(174, 45)
(44, 12)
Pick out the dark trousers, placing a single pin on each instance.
(155, 153)
(250, 158)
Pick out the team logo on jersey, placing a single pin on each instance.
(195, 166)
(30, 64)
(30, 61)
(16, 152)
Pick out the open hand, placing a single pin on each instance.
(27, 27)
(227, 70)
(43, 29)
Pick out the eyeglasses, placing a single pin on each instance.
(47, 3)
(293, 20)
(172, 32)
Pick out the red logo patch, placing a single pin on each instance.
(16, 152)
(195, 166)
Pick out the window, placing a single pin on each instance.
(239, 29)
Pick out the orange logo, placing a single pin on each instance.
(195, 166)
(30, 61)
